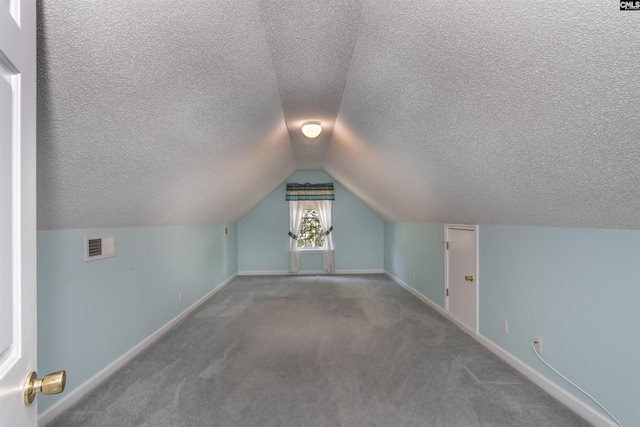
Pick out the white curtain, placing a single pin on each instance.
(296, 209)
(324, 215)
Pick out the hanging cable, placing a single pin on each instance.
(576, 386)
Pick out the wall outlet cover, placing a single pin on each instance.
(537, 344)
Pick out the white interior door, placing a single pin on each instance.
(462, 283)
(17, 209)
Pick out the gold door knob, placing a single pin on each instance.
(468, 278)
(50, 384)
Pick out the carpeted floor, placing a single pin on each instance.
(317, 351)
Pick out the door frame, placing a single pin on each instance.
(468, 227)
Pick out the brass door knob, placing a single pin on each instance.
(468, 278)
(50, 384)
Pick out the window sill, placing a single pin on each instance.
(310, 250)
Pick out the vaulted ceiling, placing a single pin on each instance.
(161, 112)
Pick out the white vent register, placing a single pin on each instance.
(98, 247)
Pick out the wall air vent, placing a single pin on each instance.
(99, 247)
(95, 247)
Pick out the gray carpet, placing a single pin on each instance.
(317, 351)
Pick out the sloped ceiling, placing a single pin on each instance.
(491, 112)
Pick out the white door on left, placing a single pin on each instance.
(17, 208)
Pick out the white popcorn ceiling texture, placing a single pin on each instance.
(163, 112)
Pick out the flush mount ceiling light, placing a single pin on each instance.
(311, 129)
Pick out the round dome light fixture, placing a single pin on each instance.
(311, 129)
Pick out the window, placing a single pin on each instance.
(311, 234)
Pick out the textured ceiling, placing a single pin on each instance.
(494, 113)
(311, 44)
(151, 114)
(497, 112)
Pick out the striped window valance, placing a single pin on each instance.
(310, 191)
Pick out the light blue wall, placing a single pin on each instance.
(411, 247)
(90, 313)
(263, 240)
(577, 289)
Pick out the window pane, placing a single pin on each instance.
(311, 233)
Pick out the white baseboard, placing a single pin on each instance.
(305, 272)
(568, 399)
(83, 389)
(431, 304)
(417, 294)
(564, 397)
(371, 271)
(264, 273)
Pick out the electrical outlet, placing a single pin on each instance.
(364, 260)
(413, 275)
(504, 326)
(179, 296)
(279, 261)
(537, 344)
